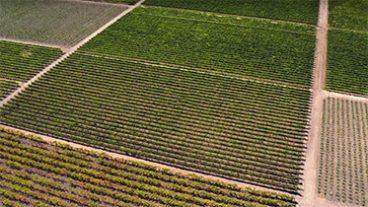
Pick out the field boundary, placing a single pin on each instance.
(28, 42)
(328, 94)
(310, 176)
(66, 55)
(201, 71)
(235, 16)
(50, 139)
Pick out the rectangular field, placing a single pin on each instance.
(243, 130)
(37, 173)
(348, 14)
(19, 62)
(62, 22)
(343, 173)
(347, 62)
(287, 10)
(224, 45)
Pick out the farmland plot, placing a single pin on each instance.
(6, 87)
(62, 22)
(243, 130)
(349, 14)
(343, 173)
(288, 10)
(19, 62)
(225, 45)
(348, 62)
(37, 173)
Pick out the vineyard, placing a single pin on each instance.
(343, 173)
(6, 87)
(232, 128)
(37, 173)
(349, 14)
(19, 62)
(287, 10)
(61, 22)
(223, 45)
(348, 62)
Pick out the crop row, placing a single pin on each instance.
(20, 62)
(287, 10)
(6, 87)
(344, 151)
(347, 62)
(237, 129)
(274, 53)
(36, 172)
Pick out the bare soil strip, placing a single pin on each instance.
(63, 48)
(66, 55)
(310, 177)
(100, 3)
(125, 157)
(327, 94)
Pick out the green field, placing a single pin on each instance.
(6, 87)
(20, 62)
(343, 175)
(288, 10)
(36, 173)
(224, 45)
(232, 128)
(348, 14)
(62, 22)
(347, 62)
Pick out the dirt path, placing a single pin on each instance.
(327, 94)
(66, 55)
(120, 156)
(310, 177)
(61, 47)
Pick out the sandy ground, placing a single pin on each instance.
(327, 94)
(310, 176)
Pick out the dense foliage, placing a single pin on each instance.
(343, 174)
(36, 173)
(348, 14)
(348, 62)
(6, 87)
(245, 48)
(20, 62)
(243, 130)
(288, 10)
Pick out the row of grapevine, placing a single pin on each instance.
(245, 48)
(287, 10)
(20, 62)
(36, 173)
(348, 14)
(343, 174)
(242, 130)
(6, 87)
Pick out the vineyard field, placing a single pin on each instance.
(37, 173)
(226, 45)
(287, 10)
(232, 128)
(347, 62)
(6, 87)
(343, 173)
(19, 62)
(349, 14)
(63, 22)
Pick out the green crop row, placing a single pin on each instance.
(6, 87)
(348, 14)
(347, 62)
(20, 62)
(287, 10)
(227, 45)
(238, 129)
(34, 172)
